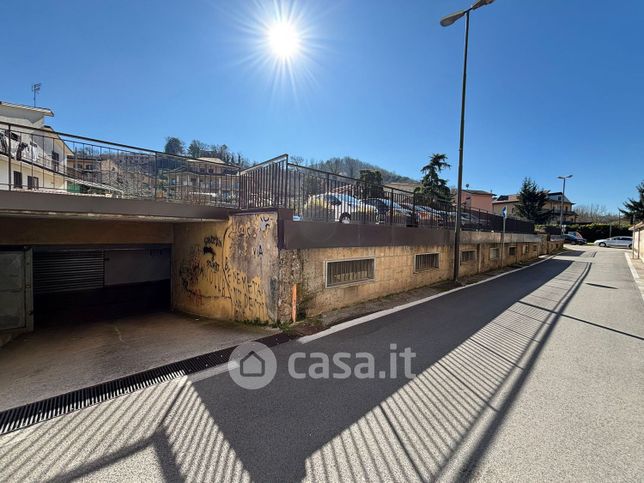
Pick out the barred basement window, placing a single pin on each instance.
(349, 271)
(425, 261)
(512, 251)
(468, 256)
(494, 253)
(534, 248)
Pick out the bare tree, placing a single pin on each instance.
(592, 213)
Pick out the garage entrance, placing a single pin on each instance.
(76, 284)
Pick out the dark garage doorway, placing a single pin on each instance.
(77, 284)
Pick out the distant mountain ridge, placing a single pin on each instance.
(351, 167)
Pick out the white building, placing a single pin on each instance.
(38, 156)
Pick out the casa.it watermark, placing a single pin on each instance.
(253, 365)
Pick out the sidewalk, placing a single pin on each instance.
(637, 270)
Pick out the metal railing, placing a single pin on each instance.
(43, 160)
(316, 195)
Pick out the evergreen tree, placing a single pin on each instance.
(434, 188)
(634, 208)
(174, 145)
(370, 184)
(531, 202)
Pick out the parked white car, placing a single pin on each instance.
(616, 241)
(338, 207)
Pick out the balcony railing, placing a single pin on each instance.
(55, 162)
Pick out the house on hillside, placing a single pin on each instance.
(112, 172)
(475, 199)
(405, 186)
(38, 158)
(205, 179)
(552, 206)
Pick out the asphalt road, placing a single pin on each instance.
(537, 375)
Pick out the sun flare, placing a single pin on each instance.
(283, 40)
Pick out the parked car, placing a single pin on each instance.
(428, 215)
(470, 221)
(574, 239)
(616, 241)
(338, 207)
(386, 209)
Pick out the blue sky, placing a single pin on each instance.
(555, 86)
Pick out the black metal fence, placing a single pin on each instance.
(46, 161)
(316, 195)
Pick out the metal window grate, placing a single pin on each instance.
(468, 256)
(494, 253)
(512, 251)
(349, 271)
(425, 261)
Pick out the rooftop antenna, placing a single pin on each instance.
(35, 88)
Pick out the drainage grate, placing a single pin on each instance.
(23, 416)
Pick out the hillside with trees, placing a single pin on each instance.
(351, 167)
(344, 166)
(199, 149)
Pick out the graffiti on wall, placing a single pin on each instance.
(231, 269)
(202, 264)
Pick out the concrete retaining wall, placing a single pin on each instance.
(237, 270)
(393, 270)
(228, 269)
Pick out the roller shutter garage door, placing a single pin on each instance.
(75, 285)
(68, 271)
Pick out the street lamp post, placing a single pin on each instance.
(563, 196)
(446, 22)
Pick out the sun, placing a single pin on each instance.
(283, 40)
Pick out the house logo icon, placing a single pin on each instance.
(252, 365)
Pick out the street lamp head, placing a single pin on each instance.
(481, 3)
(451, 18)
(565, 177)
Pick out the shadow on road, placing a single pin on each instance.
(468, 343)
(475, 349)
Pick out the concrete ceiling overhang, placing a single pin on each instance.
(48, 205)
